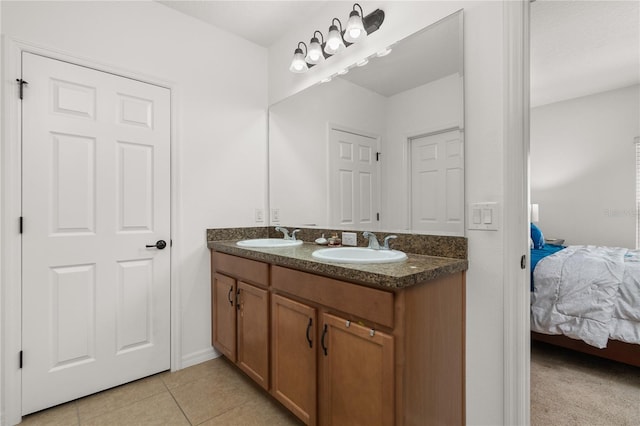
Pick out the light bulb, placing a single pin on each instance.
(354, 33)
(355, 29)
(298, 65)
(314, 55)
(334, 41)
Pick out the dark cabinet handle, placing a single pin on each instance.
(324, 333)
(308, 330)
(238, 299)
(229, 296)
(160, 244)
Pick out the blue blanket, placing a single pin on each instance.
(538, 254)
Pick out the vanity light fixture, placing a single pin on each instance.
(298, 64)
(355, 27)
(315, 54)
(334, 43)
(363, 62)
(358, 27)
(343, 71)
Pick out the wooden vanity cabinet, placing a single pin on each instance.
(342, 353)
(394, 357)
(352, 363)
(356, 374)
(349, 366)
(223, 324)
(253, 332)
(240, 320)
(294, 354)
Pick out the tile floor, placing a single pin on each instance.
(212, 393)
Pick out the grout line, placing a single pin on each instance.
(195, 379)
(222, 413)
(125, 405)
(179, 407)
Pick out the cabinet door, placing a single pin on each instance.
(357, 384)
(223, 327)
(253, 332)
(293, 350)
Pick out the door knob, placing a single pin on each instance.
(160, 244)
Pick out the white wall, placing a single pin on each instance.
(221, 123)
(485, 128)
(583, 167)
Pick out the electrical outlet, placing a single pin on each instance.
(349, 239)
(275, 215)
(259, 215)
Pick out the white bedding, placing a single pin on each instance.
(588, 293)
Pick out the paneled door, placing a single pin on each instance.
(437, 183)
(353, 180)
(96, 209)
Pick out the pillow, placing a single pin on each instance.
(537, 237)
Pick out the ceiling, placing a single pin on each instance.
(262, 22)
(583, 47)
(577, 47)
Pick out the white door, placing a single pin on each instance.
(437, 183)
(353, 180)
(96, 192)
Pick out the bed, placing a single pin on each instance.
(587, 298)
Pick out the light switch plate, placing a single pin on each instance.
(349, 239)
(275, 215)
(484, 216)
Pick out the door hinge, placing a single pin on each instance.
(20, 359)
(21, 83)
(378, 154)
(523, 261)
(21, 224)
(378, 217)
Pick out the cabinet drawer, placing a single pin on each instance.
(244, 269)
(364, 302)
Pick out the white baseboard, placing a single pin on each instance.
(198, 357)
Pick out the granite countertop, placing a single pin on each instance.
(416, 269)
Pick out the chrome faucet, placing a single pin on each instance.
(285, 231)
(385, 246)
(373, 240)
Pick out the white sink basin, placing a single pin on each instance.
(269, 243)
(358, 255)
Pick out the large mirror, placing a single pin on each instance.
(380, 147)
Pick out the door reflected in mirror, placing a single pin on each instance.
(380, 147)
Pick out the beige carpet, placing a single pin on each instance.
(569, 388)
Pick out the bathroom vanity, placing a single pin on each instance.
(343, 344)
